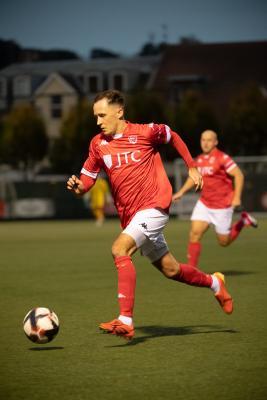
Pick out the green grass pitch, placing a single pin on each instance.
(185, 347)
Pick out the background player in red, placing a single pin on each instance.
(142, 194)
(221, 193)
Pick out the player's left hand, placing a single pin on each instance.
(236, 203)
(75, 185)
(196, 177)
(177, 196)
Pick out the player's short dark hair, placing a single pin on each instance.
(112, 96)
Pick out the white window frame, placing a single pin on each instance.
(22, 86)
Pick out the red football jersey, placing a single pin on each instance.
(134, 167)
(218, 188)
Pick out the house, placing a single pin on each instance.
(216, 70)
(56, 86)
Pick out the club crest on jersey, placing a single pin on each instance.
(132, 139)
(212, 160)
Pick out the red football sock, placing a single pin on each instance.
(193, 276)
(193, 253)
(126, 284)
(236, 229)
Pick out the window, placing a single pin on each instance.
(56, 106)
(94, 83)
(179, 85)
(21, 86)
(118, 82)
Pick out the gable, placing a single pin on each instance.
(55, 84)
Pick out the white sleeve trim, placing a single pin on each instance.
(168, 133)
(87, 173)
(231, 167)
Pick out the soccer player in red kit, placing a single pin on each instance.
(142, 195)
(221, 193)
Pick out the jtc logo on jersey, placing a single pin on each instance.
(205, 170)
(119, 159)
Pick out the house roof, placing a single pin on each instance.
(79, 67)
(69, 82)
(217, 62)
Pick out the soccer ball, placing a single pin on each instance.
(41, 325)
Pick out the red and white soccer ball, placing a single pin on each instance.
(41, 325)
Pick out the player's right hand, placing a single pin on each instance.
(196, 177)
(177, 196)
(75, 185)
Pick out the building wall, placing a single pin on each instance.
(44, 103)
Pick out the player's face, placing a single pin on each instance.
(208, 141)
(109, 116)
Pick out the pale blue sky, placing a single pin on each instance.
(124, 26)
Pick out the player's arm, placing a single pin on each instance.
(80, 186)
(162, 133)
(182, 149)
(238, 179)
(88, 174)
(188, 185)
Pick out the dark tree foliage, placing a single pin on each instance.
(246, 127)
(103, 53)
(191, 117)
(9, 52)
(23, 141)
(70, 150)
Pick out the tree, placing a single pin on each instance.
(24, 141)
(9, 52)
(145, 107)
(246, 127)
(103, 53)
(70, 149)
(151, 49)
(191, 117)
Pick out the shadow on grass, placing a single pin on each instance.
(46, 348)
(152, 332)
(232, 272)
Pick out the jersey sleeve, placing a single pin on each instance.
(161, 133)
(91, 167)
(228, 163)
(178, 143)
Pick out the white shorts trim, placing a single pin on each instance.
(146, 229)
(221, 218)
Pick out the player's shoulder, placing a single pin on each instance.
(152, 130)
(139, 128)
(96, 140)
(222, 155)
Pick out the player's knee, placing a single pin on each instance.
(118, 250)
(224, 242)
(171, 271)
(194, 236)
(168, 266)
